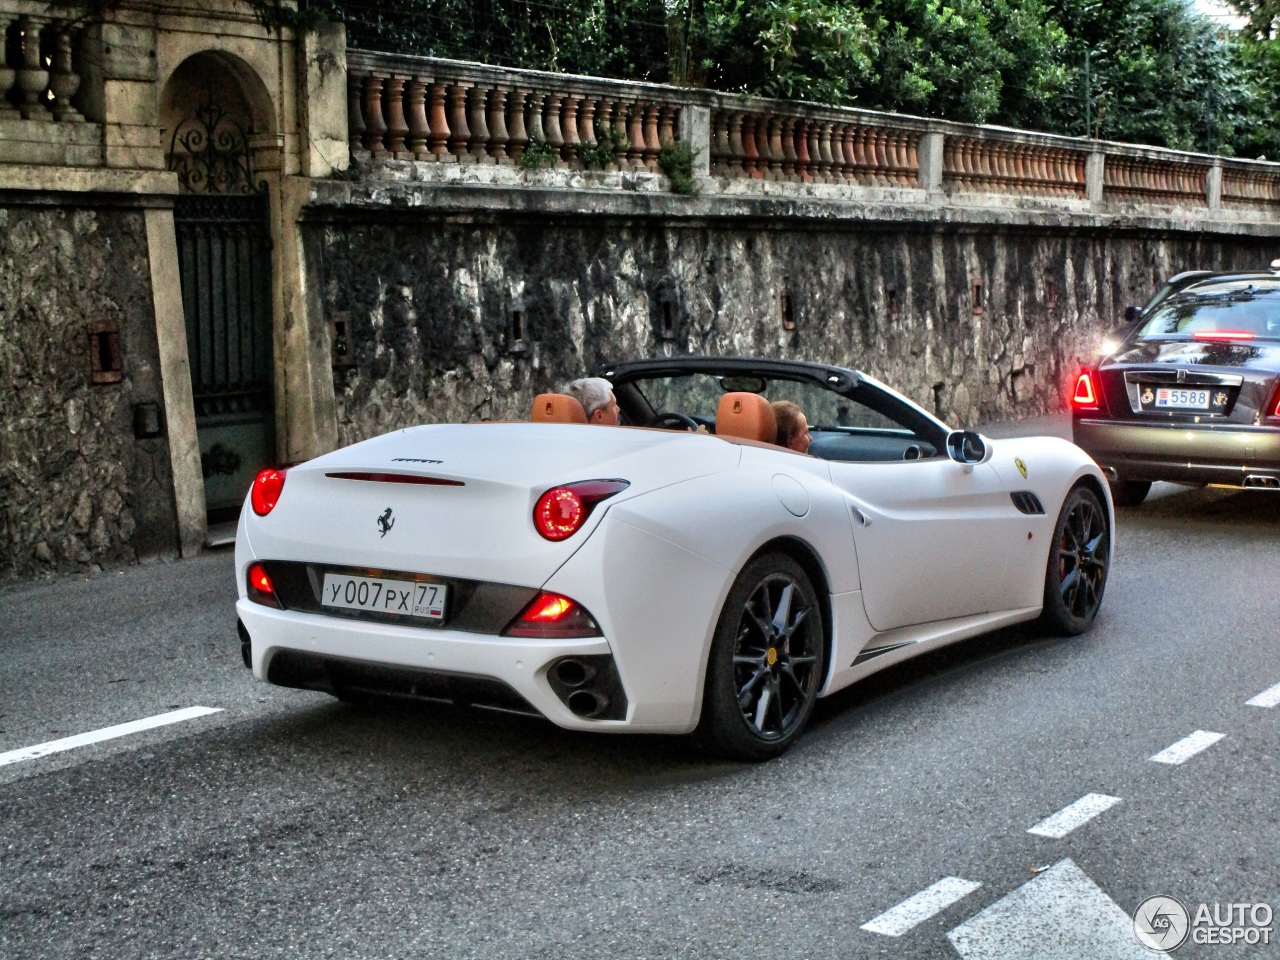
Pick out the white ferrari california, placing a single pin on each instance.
(659, 578)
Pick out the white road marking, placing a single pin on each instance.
(1060, 914)
(1187, 747)
(1068, 818)
(1267, 698)
(106, 733)
(896, 921)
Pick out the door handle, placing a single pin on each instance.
(862, 518)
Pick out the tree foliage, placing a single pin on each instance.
(1147, 71)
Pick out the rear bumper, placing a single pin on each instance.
(1182, 453)
(310, 650)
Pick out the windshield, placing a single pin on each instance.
(1241, 310)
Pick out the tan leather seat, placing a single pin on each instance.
(747, 416)
(557, 408)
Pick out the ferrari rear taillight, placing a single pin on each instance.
(266, 490)
(261, 589)
(1085, 396)
(561, 511)
(555, 617)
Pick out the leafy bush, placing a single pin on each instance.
(538, 155)
(676, 161)
(609, 144)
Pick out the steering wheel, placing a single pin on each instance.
(670, 420)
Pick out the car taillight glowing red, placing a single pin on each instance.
(1223, 335)
(561, 511)
(1085, 396)
(552, 616)
(261, 589)
(266, 490)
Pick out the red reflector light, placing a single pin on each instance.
(554, 617)
(261, 589)
(1085, 395)
(265, 493)
(561, 511)
(1223, 335)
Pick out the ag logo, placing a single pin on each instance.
(385, 523)
(1161, 923)
(1022, 467)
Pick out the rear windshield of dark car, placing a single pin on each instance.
(1238, 310)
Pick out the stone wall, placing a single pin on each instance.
(77, 490)
(431, 306)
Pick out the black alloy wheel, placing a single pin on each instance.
(1076, 574)
(766, 663)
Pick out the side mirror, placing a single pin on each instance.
(968, 448)
(1132, 313)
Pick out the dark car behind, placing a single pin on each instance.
(1189, 394)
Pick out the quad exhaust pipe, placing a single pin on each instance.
(588, 703)
(588, 685)
(1263, 481)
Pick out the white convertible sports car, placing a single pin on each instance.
(656, 578)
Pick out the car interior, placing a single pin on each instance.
(869, 426)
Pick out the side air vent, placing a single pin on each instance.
(1027, 502)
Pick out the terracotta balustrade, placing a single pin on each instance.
(444, 111)
(422, 109)
(795, 149)
(1250, 188)
(1143, 179)
(1000, 166)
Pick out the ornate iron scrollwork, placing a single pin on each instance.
(210, 154)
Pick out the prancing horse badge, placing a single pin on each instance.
(385, 522)
(1022, 467)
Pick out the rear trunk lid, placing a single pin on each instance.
(471, 513)
(1191, 381)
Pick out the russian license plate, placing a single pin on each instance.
(406, 598)
(1182, 398)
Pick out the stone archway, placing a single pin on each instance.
(218, 125)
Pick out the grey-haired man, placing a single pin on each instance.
(596, 396)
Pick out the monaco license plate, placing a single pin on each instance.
(405, 598)
(1182, 398)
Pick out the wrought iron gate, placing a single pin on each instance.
(224, 259)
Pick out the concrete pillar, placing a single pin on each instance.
(322, 77)
(175, 380)
(1095, 168)
(695, 129)
(929, 152)
(1213, 186)
(304, 361)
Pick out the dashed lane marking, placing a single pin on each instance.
(1187, 747)
(1068, 818)
(896, 921)
(106, 733)
(1267, 698)
(1060, 914)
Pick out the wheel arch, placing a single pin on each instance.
(804, 554)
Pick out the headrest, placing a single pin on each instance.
(747, 416)
(557, 408)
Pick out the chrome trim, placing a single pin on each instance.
(1180, 375)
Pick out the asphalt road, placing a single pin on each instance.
(290, 825)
